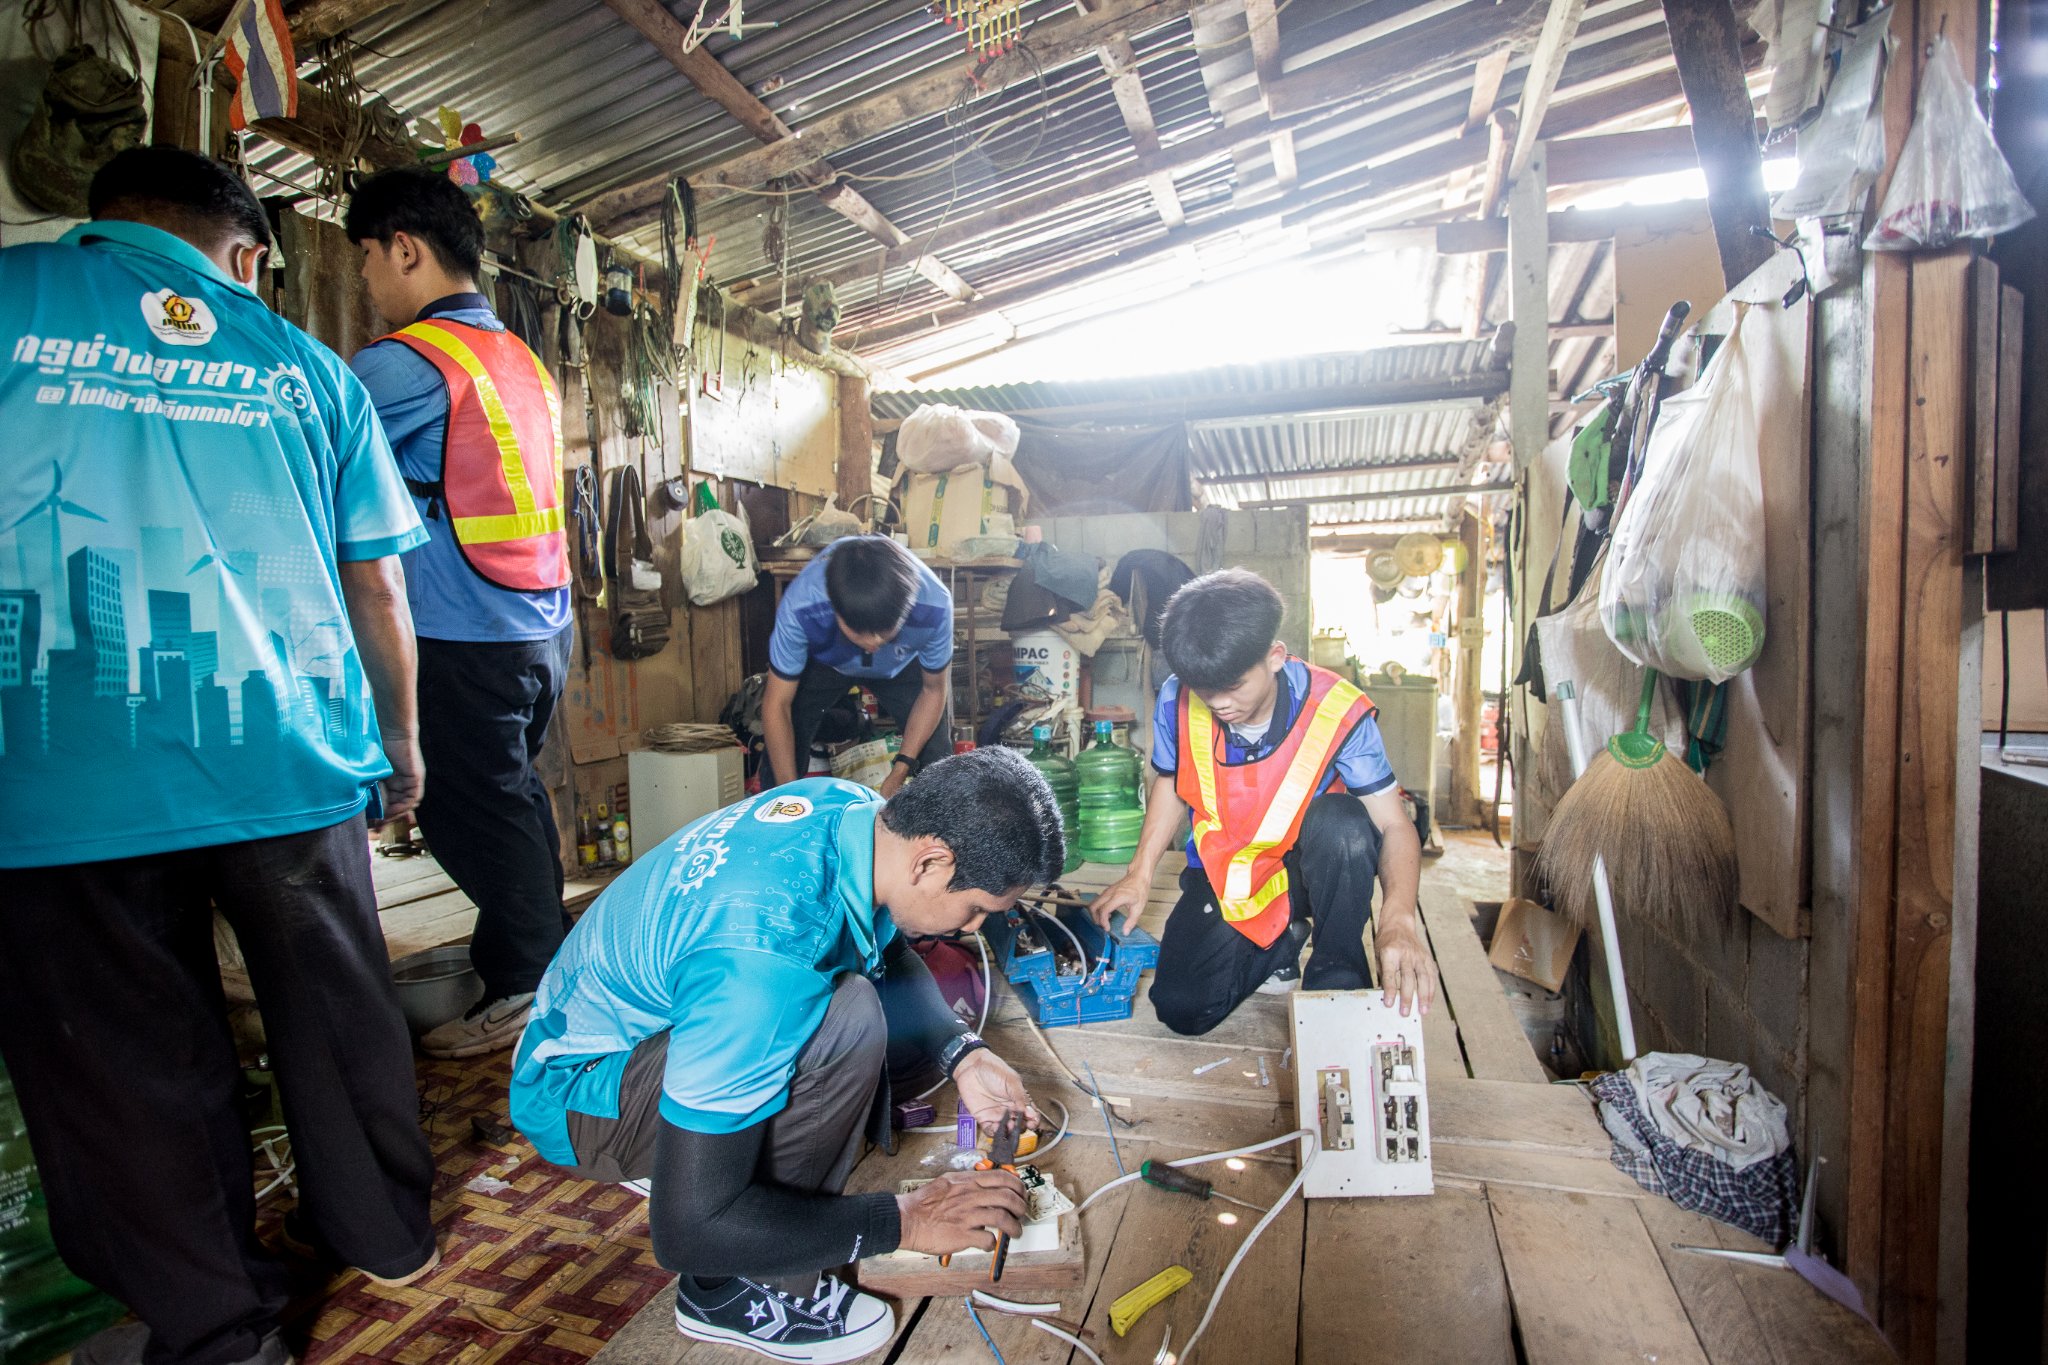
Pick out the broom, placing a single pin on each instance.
(1664, 836)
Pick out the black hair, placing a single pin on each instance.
(194, 196)
(872, 583)
(1217, 627)
(993, 810)
(425, 205)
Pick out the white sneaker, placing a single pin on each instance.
(836, 1323)
(1281, 982)
(490, 1026)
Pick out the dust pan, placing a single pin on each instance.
(1665, 836)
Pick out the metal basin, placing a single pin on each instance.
(436, 986)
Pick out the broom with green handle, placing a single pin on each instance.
(1663, 836)
(1603, 893)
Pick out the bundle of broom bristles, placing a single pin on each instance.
(1664, 835)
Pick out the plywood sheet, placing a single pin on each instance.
(1421, 1282)
(773, 420)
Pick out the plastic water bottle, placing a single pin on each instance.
(1110, 813)
(44, 1309)
(1065, 781)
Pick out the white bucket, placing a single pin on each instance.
(1044, 657)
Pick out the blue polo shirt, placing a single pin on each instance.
(450, 599)
(729, 936)
(182, 470)
(1361, 760)
(807, 631)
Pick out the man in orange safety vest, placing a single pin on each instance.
(477, 428)
(1296, 815)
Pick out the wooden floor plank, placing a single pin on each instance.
(1754, 1315)
(1257, 1319)
(446, 918)
(1587, 1283)
(1417, 1280)
(1544, 1118)
(1495, 1046)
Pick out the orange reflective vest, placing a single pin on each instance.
(501, 461)
(1247, 815)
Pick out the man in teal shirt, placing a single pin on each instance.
(206, 672)
(727, 1019)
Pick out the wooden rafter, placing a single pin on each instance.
(1487, 74)
(1053, 43)
(702, 70)
(1262, 24)
(1546, 64)
(1706, 41)
(1120, 60)
(1408, 56)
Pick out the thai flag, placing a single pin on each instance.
(259, 56)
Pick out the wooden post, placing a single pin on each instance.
(856, 463)
(1462, 802)
(1706, 40)
(1529, 295)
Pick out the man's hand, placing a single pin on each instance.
(1407, 970)
(990, 1088)
(408, 780)
(1127, 893)
(959, 1209)
(899, 773)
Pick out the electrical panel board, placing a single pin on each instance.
(1359, 1084)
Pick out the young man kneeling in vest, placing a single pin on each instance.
(1296, 814)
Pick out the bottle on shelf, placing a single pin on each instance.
(1065, 780)
(622, 837)
(586, 840)
(605, 854)
(1109, 808)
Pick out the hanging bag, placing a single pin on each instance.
(718, 552)
(639, 620)
(1952, 182)
(1683, 589)
(90, 108)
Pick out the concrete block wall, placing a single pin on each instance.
(1733, 990)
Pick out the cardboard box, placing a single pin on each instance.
(941, 510)
(1534, 943)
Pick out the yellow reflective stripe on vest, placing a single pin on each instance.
(1239, 900)
(547, 386)
(509, 459)
(511, 526)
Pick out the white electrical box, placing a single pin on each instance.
(668, 791)
(1359, 1084)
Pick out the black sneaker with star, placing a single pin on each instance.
(836, 1322)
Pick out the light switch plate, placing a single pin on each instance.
(1359, 1082)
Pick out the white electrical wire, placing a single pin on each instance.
(988, 990)
(1069, 1337)
(987, 1300)
(1308, 1160)
(1058, 1138)
(1210, 1156)
(1080, 954)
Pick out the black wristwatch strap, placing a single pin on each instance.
(956, 1049)
(907, 760)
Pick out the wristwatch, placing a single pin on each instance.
(907, 760)
(956, 1049)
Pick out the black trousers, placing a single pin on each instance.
(114, 1030)
(821, 685)
(1207, 968)
(487, 816)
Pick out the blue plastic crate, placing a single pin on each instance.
(1116, 961)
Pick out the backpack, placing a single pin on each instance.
(91, 108)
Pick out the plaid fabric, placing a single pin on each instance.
(1763, 1200)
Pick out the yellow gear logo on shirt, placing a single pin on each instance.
(177, 319)
(781, 810)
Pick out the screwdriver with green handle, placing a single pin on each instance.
(1173, 1178)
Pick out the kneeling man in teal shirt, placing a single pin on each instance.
(727, 1020)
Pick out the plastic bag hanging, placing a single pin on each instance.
(718, 552)
(1952, 181)
(1683, 588)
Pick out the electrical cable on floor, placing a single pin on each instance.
(1061, 1063)
(1107, 1126)
(1065, 1336)
(976, 1317)
(1206, 1157)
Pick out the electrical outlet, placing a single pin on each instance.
(1336, 1110)
(1361, 1085)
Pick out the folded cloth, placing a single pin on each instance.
(1157, 575)
(1070, 577)
(1681, 1147)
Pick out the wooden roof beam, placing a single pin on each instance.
(1120, 60)
(1262, 25)
(1053, 43)
(1408, 56)
(1706, 40)
(1546, 64)
(667, 35)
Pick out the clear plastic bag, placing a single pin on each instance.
(1683, 587)
(939, 438)
(1952, 182)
